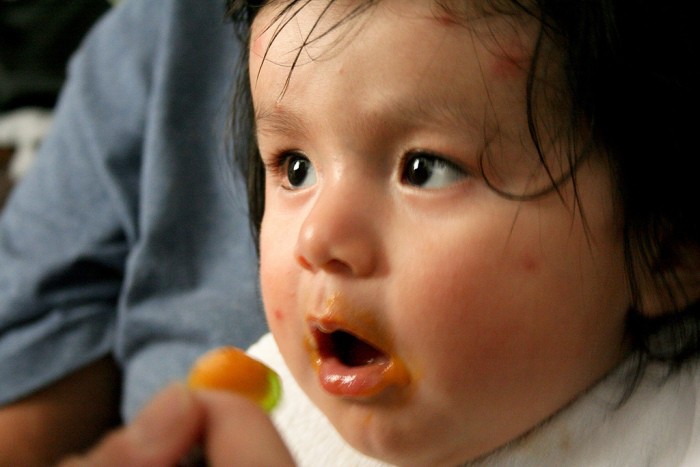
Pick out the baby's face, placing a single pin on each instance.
(431, 319)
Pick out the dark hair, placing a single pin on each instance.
(631, 79)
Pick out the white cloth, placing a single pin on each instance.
(658, 426)
(24, 129)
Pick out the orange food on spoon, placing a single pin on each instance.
(231, 369)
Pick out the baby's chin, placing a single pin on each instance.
(389, 433)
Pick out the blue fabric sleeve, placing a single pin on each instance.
(64, 233)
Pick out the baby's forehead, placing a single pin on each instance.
(477, 51)
(457, 12)
(507, 30)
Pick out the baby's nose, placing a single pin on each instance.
(339, 234)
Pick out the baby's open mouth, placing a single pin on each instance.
(349, 349)
(351, 366)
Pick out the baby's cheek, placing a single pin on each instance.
(278, 316)
(278, 294)
(271, 289)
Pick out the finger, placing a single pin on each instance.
(165, 430)
(237, 432)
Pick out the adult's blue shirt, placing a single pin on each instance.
(129, 236)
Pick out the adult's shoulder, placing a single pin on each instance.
(147, 28)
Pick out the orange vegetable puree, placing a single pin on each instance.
(231, 369)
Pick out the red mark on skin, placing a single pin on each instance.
(260, 43)
(511, 60)
(529, 263)
(257, 47)
(277, 314)
(508, 67)
(447, 20)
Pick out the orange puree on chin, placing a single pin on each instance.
(231, 369)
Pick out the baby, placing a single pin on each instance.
(479, 238)
(461, 255)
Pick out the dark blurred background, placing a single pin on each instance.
(36, 39)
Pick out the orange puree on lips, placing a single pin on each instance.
(357, 381)
(231, 369)
(351, 354)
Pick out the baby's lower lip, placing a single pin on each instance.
(363, 381)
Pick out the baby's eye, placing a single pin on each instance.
(431, 172)
(300, 171)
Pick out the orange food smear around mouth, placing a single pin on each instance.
(313, 353)
(345, 374)
(394, 373)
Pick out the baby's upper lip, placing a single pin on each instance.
(338, 313)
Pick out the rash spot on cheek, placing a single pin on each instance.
(277, 314)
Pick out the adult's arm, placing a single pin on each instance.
(65, 418)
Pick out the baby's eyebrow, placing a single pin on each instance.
(278, 121)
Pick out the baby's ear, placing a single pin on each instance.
(673, 286)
